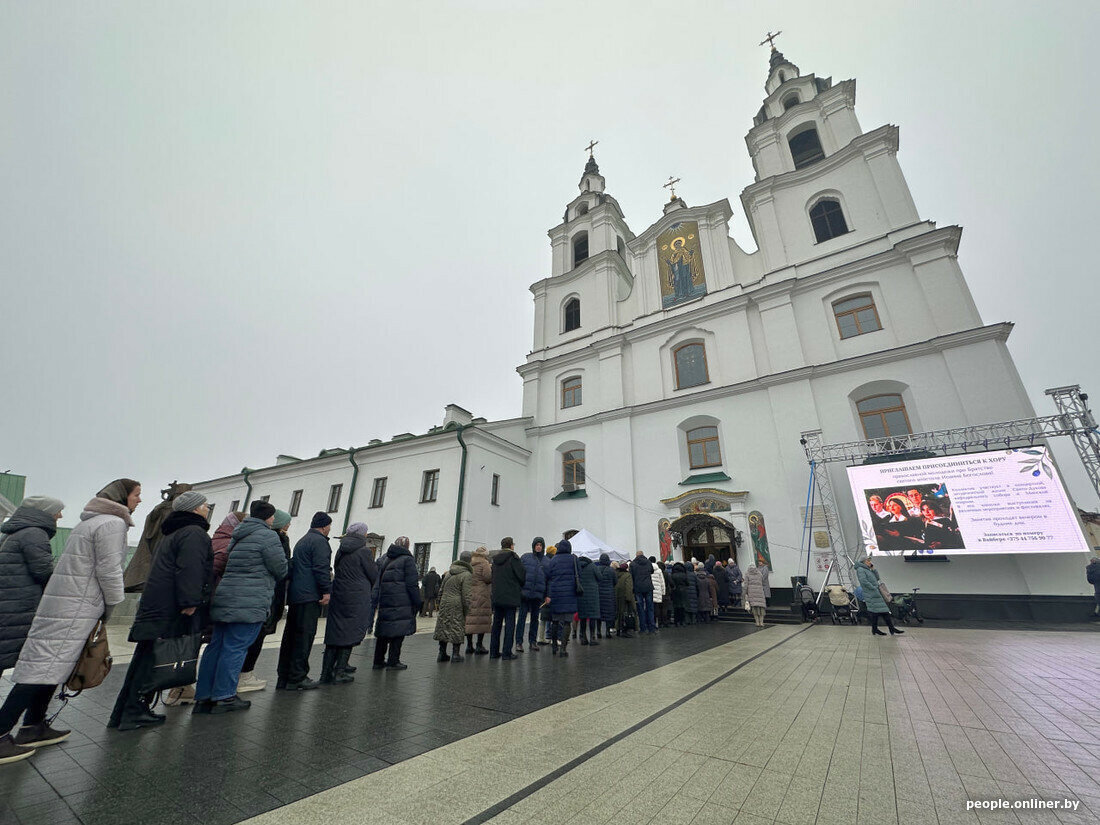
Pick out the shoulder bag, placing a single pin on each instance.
(885, 592)
(94, 663)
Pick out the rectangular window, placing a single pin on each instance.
(691, 366)
(570, 393)
(496, 490)
(295, 502)
(234, 505)
(883, 415)
(572, 464)
(210, 515)
(856, 316)
(422, 554)
(703, 448)
(265, 498)
(334, 497)
(378, 493)
(430, 486)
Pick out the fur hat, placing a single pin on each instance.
(263, 510)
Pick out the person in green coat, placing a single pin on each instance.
(877, 608)
(454, 605)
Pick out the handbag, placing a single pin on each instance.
(885, 592)
(94, 663)
(577, 578)
(175, 662)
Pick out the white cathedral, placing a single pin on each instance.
(672, 372)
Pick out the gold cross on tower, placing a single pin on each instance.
(671, 186)
(592, 145)
(770, 39)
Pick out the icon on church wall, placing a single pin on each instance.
(704, 505)
(680, 264)
(664, 535)
(759, 533)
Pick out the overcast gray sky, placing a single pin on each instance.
(230, 230)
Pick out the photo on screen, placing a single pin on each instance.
(917, 520)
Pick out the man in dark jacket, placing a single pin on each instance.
(396, 599)
(173, 603)
(432, 585)
(509, 576)
(1092, 573)
(26, 563)
(534, 591)
(641, 571)
(240, 606)
(309, 589)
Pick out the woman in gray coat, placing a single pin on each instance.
(84, 586)
(877, 608)
(754, 594)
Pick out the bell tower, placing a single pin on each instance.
(822, 183)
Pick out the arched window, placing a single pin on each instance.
(827, 219)
(883, 415)
(620, 247)
(856, 315)
(691, 366)
(582, 209)
(580, 248)
(805, 148)
(782, 77)
(571, 392)
(790, 101)
(572, 467)
(572, 314)
(703, 448)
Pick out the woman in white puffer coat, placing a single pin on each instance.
(86, 583)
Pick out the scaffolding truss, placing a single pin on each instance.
(1074, 419)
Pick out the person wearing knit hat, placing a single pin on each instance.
(247, 681)
(263, 510)
(173, 604)
(357, 528)
(188, 502)
(27, 562)
(309, 590)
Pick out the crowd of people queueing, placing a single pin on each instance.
(233, 589)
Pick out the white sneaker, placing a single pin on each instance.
(181, 696)
(248, 681)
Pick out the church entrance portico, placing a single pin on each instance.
(704, 535)
(709, 522)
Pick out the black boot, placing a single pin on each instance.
(340, 675)
(584, 634)
(443, 657)
(469, 644)
(893, 630)
(328, 665)
(564, 647)
(456, 655)
(480, 649)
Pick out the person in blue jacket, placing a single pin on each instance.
(561, 595)
(310, 588)
(534, 593)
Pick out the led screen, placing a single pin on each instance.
(1008, 501)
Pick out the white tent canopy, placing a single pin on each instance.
(587, 545)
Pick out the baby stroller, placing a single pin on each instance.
(809, 603)
(843, 607)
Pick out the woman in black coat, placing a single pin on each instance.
(173, 604)
(397, 600)
(353, 583)
(607, 596)
(722, 582)
(26, 563)
(680, 585)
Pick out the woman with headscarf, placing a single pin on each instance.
(247, 681)
(454, 604)
(479, 619)
(85, 585)
(754, 594)
(173, 604)
(354, 576)
(396, 599)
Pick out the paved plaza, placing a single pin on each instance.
(717, 724)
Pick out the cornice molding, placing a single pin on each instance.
(989, 332)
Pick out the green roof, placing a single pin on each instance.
(572, 494)
(704, 478)
(12, 487)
